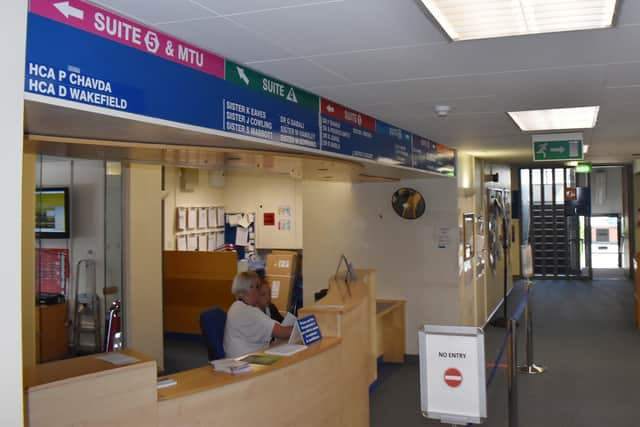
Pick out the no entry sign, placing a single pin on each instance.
(453, 377)
(452, 374)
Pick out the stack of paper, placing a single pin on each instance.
(231, 366)
(286, 349)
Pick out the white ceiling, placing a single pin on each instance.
(385, 58)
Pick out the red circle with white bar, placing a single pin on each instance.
(453, 377)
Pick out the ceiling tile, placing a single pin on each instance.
(623, 74)
(226, 7)
(348, 25)
(626, 45)
(473, 57)
(154, 11)
(628, 12)
(225, 38)
(300, 72)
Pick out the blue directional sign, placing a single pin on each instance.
(394, 144)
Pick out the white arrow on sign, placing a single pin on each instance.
(67, 10)
(557, 150)
(242, 75)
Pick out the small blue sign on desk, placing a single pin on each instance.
(309, 329)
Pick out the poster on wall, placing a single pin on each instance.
(285, 220)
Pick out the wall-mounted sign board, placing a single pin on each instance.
(81, 53)
(557, 147)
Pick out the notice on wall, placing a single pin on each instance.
(192, 218)
(212, 219)
(443, 237)
(202, 218)
(192, 242)
(182, 218)
(452, 374)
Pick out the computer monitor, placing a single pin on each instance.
(52, 213)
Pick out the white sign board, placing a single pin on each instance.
(452, 374)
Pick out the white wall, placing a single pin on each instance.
(606, 191)
(202, 195)
(358, 220)
(260, 194)
(240, 192)
(12, 44)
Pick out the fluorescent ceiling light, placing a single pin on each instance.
(480, 19)
(556, 119)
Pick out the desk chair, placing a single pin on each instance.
(212, 324)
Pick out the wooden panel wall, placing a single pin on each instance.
(194, 282)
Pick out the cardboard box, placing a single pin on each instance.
(281, 290)
(281, 264)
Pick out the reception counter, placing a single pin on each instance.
(87, 391)
(326, 384)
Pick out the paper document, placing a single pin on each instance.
(220, 221)
(166, 382)
(286, 349)
(242, 236)
(288, 320)
(202, 218)
(182, 243)
(202, 242)
(275, 289)
(192, 242)
(244, 222)
(117, 358)
(213, 217)
(211, 242)
(220, 239)
(234, 220)
(192, 220)
(182, 218)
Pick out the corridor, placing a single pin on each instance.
(584, 333)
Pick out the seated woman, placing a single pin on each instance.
(249, 329)
(264, 303)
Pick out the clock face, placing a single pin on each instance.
(408, 203)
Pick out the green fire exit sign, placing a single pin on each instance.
(546, 148)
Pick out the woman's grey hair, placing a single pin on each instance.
(243, 282)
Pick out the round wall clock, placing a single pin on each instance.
(408, 203)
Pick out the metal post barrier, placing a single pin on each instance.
(530, 367)
(512, 376)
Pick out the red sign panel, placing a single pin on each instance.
(269, 218)
(52, 270)
(453, 377)
(339, 112)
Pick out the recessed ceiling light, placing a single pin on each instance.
(480, 19)
(556, 118)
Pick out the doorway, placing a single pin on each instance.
(605, 237)
(556, 213)
(608, 224)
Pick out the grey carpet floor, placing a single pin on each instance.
(584, 333)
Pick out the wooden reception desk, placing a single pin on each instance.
(327, 384)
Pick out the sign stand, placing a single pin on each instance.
(452, 374)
